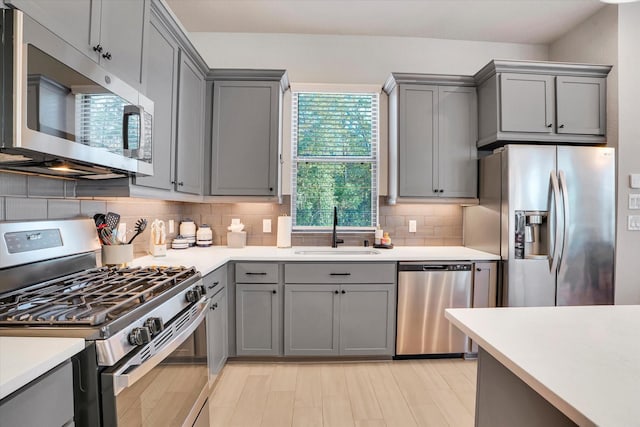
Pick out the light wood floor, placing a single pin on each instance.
(372, 394)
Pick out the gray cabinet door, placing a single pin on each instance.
(162, 88)
(190, 141)
(217, 333)
(244, 138)
(526, 103)
(367, 314)
(122, 32)
(456, 167)
(418, 133)
(258, 326)
(581, 104)
(75, 21)
(311, 320)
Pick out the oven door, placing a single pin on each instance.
(165, 383)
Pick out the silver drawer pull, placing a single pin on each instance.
(255, 274)
(340, 274)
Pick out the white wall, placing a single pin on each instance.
(628, 242)
(595, 41)
(352, 60)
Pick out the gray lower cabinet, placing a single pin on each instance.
(311, 320)
(485, 286)
(217, 340)
(111, 32)
(339, 309)
(45, 402)
(258, 314)
(245, 131)
(367, 319)
(432, 136)
(541, 101)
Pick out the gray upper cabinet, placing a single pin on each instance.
(541, 102)
(245, 132)
(190, 143)
(163, 56)
(432, 136)
(111, 32)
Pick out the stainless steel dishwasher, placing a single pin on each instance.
(425, 289)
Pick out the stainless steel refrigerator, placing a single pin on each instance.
(549, 212)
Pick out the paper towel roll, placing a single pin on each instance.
(284, 232)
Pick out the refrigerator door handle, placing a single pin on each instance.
(554, 232)
(565, 210)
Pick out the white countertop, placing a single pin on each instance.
(583, 360)
(208, 259)
(24, 359)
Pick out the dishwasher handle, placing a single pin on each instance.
(435, 267)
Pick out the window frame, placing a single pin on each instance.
(374, 160)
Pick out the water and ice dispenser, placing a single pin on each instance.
(531, 235)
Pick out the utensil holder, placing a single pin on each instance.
(117, 254)
(236, 239)
(158, 250)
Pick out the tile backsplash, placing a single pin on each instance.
(26, 197)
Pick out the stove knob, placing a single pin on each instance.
(139, 336)
(202, 289)
(154, 324)
(192, 295)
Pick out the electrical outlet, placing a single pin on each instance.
(266, 226)
(172, 226)
(634, 201)
(634, 180)
(412, 226)
(633, 223)
(122, 232)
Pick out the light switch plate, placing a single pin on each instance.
(633, 223)
(634, 201)
(172, 226)
(634, 180)
(412, 226)
(122, 232)
(266, 226)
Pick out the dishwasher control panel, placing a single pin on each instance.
(434, 267)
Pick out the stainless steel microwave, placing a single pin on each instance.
(62, 114)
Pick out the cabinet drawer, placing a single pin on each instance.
(340, 273)
(256, 272)
(215, 280)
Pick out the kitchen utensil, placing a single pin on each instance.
(99, 219)
(107, 235)
(141, 225)
(112, 220)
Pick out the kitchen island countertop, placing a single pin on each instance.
(22, 359)
(583, 360)
(208, 259)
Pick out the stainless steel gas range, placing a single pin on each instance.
(145, 360)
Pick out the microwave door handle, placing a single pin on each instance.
(554, 232)
(565, 210)
(131, 110)
(131, 372)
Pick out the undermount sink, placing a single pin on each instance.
(337, 251)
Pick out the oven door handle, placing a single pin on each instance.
(132, 371)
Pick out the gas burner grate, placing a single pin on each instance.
(89, 297)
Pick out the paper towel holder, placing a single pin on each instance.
(283, 239)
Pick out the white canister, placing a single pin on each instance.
(204, 236)
(188, 231)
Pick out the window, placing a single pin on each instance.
(335, 159)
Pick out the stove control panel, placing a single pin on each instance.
(25, 241)
(139, 336)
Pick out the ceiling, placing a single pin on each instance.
(514, 21)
